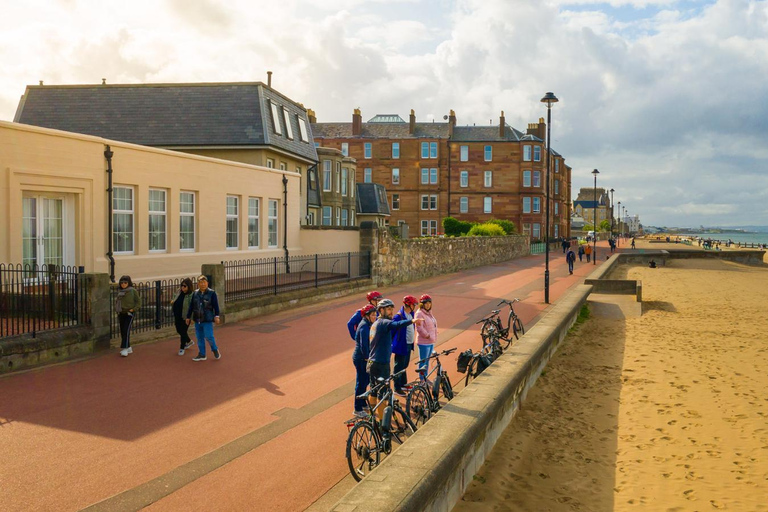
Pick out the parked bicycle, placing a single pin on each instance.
(473, 364)
(493, 327)
(370, 438)
(423, 398)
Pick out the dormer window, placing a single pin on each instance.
(276, 118)
(288, 127)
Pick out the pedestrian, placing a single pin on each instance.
(372, 298)
(381, 340)
(588, 252)
(180, 306)
(565, 245)
(204, 311)
(581, 252)
(426, 334)
(633, 242)
(360, 356)
(126, 305)
(402, 342)
(570, 257)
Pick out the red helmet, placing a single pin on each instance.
(367, 309)
(425, 298)
(410, 300)
(373, 295)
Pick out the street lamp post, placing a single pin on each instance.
(618, 212)
(612, 191)
(594, 251)
(549, 99)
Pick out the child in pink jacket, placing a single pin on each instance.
(426, 332)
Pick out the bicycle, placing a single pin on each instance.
(370, 438)
(422, 402)
(473, 363)
(492, 325)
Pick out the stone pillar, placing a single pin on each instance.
(369, 242)
(218, 281)
(96, 287)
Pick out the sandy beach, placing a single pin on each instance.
(667, 411)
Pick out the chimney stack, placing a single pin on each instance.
(451, 123)
(269, 79)
(41, 82)
(538, 129)
(502, 125)
(412, 123)
(357, 123)
(103, 81)
(311, 116)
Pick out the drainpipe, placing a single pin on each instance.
(108, 155)
(285, 223)
(449, 178)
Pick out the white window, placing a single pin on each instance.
(425, 176)
(429, 202)
(428, 228)
(275, 118)
(433, 202)
(344, 180)
(464, 178)
(344, 217)
(433, 176)
(557, 186)
(557, 165)
(368, 150)
(488, 179)
(345, 148)
(288, 127)
(556, 231)
(536, 230)
(464, 153)
(271, 163)
(526, 205)
(537, 178)
(327, 215)
(395, 150)
(425, 150)
(283, 166)
(157, 218)
(368, 175)
(122, 219)
(253, 222)
(463, 205)
(232, 222)
(395, 201)
(526, 178)
(557, 209)
(433, 150)
(425, 202)
(536, 205)
(303, 133)
(272, 223)
(327, 169)
(526, 153)
(338, 216)
(187, 221)
(487, 205)
(527, 229)
(488, 153)
(537, 153)
(395, 176)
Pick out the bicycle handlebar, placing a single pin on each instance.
(436, 355)
(510, 302)
(381, 383)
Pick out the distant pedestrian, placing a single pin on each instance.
(633, 242)
(612, 243)
(426, 333)
(180, 306)
(204, 311)
(372, 298)
(565, 245)
(126, 305)
(360, 355)
(402, 342)
(588, 252)
(581, 252)
(570, 257)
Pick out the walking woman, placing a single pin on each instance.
(180, 308)
(126, 305)
(426, 333)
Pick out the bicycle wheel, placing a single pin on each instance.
(470, 371)
(417, 405)
(486, 331)
(445, 384)
(402, 426)
(517, 328)
(362, 450)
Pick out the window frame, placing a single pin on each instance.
(367, 150)
(130, 213)
(434, 177)
(344, 181)
(344, 217)
(327, 176)
(433, 202)
(183, 214)
(276, 219)
(537, 179)
(424, 150)
(527, 178)
(368, 175)
(395, 201)
(424, 202)
(329, 210)
(232, 217)
(464, 204)
(256, 217)
(536, 204)
(487, 179)
(487, 204)
(157, 213)
(395, 175)
(303, 132)
(464, 153)
(395, 150)
(425, 173)
(345, 148)
(536, 231)
(527, 153)
(275, 118)
(527, 204)
(433, 150)
(537, 153)
(464, 179)
(288, 127)
(488, 153)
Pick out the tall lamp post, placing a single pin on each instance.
(594, 251)
(612, 214)
(618, 214)
(549, 99)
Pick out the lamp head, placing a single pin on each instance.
(549, 99)
(595, 172)
(612, 191)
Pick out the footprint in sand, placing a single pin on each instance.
(689, 494)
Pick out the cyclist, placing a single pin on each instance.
(381, 340)
(372, 298)
(426, 333)
(402, 342)
(360, 355)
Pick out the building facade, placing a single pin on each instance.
(585, 205)
(336, 175)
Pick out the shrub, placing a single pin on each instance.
(486, 229)
(507, 225)
(455, 227)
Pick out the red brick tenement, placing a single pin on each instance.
(434, 170)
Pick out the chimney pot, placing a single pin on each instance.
(41, 82)
(412, 123)
(311, 115)
(502, 125)
(103, 81)
(451, 123)
(269, 79)
(357, 122)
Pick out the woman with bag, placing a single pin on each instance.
(180, 306)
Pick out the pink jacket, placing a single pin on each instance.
(426, 332)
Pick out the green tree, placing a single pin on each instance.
(605, 226)
(507, 225)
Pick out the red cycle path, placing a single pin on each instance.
(100, 431)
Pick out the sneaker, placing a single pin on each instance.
(399, 392)
(130, 350)
(200, 357)
(217, 354)
(360, 414)
(124, 352)
(189, 345)
(181, 352)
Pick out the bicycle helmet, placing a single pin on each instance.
(373, 295)
(367, 309)
(425, 298)
(410, 300)
(383, 303)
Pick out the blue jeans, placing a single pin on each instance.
(204, 331)
(424, 352)
(361, 383)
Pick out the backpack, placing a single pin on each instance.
(483, 362)
(463, 361)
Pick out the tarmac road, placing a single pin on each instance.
(260, 429)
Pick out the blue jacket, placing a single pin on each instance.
(204, 306)
(381, 338)
(362, 341)
(353, 324)
(400, 344)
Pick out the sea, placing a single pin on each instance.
(744, 238)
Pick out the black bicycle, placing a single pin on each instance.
(493, 327)
(473, 364)
(370, 438)
(423, 397)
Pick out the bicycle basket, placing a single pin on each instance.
(483, 362)
(463, 361)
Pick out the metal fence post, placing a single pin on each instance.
(158, 304)
(275, 275)
(315, 270)
(349, 266)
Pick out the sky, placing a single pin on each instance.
(668, 99)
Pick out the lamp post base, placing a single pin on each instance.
(546, 286)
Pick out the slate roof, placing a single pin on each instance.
(372, 199)
(170, 115)
(586, 204)
(382, 130)
(485, 133)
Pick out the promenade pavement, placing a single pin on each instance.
(260, 429)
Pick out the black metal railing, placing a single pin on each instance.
(34, 299)
(156, 310)
(247, 279)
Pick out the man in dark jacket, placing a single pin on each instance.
(360, 355)
(204, 310)
(372, 298)
(570, 257)
(381, 339)
(402, 342)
